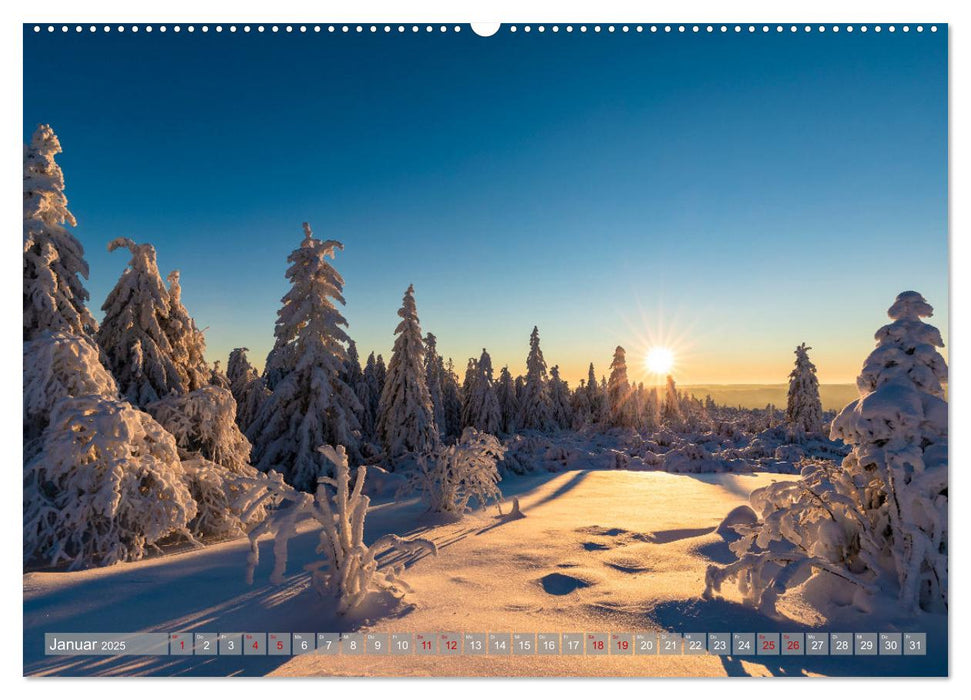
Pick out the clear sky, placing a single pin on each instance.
(728, 195)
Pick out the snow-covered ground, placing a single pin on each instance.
(598, 551)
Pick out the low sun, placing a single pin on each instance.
(659, 360)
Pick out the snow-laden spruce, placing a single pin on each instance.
(350, 570)
(508, 404)
(448, 479)
(451, 400)
(671, 415)
(560, 399)
(878, 522)
(214, 453)
(482, 410)
(107, 485)
(619, 394)
(150, 352)
(406, 418)
(535, 407)
(188, 342)
(57, 366)
(54, 295)
(804, 410)
(310, 404)
(247, 386)
(434, 371)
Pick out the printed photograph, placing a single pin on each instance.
(401, 350)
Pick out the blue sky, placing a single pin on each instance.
(728, 195)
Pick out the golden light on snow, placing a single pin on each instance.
(659, 360)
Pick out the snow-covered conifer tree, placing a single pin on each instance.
(353, 374)
(310, 405)
(434, 371)
(54, 266)
(248, 388)
(560, 399)
(239, 371)
(582, 413)
(451, 400)
(367, 394)
(188, 342)
(482, 410)
(508, 405)
(619, 392)
(898, 431)
(134, 333)
(671, 415)
(535, 407)
(406, 418)
(595, 397)
(804, 411)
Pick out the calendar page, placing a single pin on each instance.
(543, 349)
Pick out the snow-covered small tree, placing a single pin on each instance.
(804, 411)
(203, 421)
(451, 477)
(214, 454)
(434, 371)
(619, 392)
(54, 295)
(134, 335)
(106, 485)
(535, 407)
(560, 399)
(350, 571)
(406, 419)
(508, 405)
(482, 410)
(311, 404)
(57, 366)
